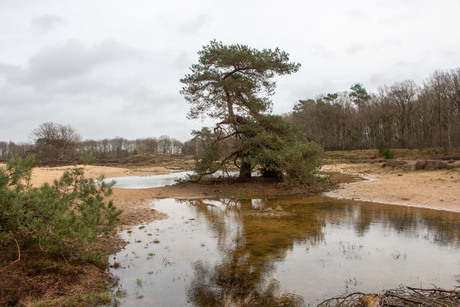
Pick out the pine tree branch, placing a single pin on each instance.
(19, 254)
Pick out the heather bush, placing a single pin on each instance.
(431, 165)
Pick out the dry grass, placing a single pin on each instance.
(372, 155)
(40, 279)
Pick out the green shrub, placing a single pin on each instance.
(63, 218)
(98, 258)
(273, 145)
(384, 151)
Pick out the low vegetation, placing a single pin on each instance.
(373, 155)
(51, 227)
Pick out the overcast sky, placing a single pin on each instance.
(112, 67)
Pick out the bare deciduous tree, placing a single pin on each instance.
(55, 141)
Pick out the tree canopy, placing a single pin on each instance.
(233, 84)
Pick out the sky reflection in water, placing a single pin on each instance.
(145, 182)
(308, 248)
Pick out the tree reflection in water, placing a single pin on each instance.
(255, 234)
(249, 255)
(281, 251)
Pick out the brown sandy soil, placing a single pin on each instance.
(435, 189)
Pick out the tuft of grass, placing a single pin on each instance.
(116, 265)
(105, 298)
(92, 297)
(121, 293)
(98, 258)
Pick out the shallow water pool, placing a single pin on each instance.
(296, 250)
(148, 181)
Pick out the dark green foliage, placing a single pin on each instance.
(384, 151)
(98, 258)
(359, 94)
(233, 80)
(270, 145)
(210, 162)
(63, 218)
(273, 145)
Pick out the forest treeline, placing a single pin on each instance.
(52, 141)
(403, 115)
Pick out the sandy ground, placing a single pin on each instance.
(431, 189)
(437, 189)
(136, 204)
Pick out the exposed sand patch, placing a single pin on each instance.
(136, 204)
(438, 189)
(41, 175)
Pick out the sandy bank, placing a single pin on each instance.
(437, 189)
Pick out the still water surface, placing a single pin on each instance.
(303, 249)
(145, 182)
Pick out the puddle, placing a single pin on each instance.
(145, 182)
(298, 251)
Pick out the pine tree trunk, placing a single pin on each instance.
(245, 169)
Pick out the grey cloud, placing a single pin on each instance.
(183, 60)
(315, 88)
(353, 49)
(378, 80)
(6, 69)
(14, 97)
(73, 59)
(46, 23)
(6, 72)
